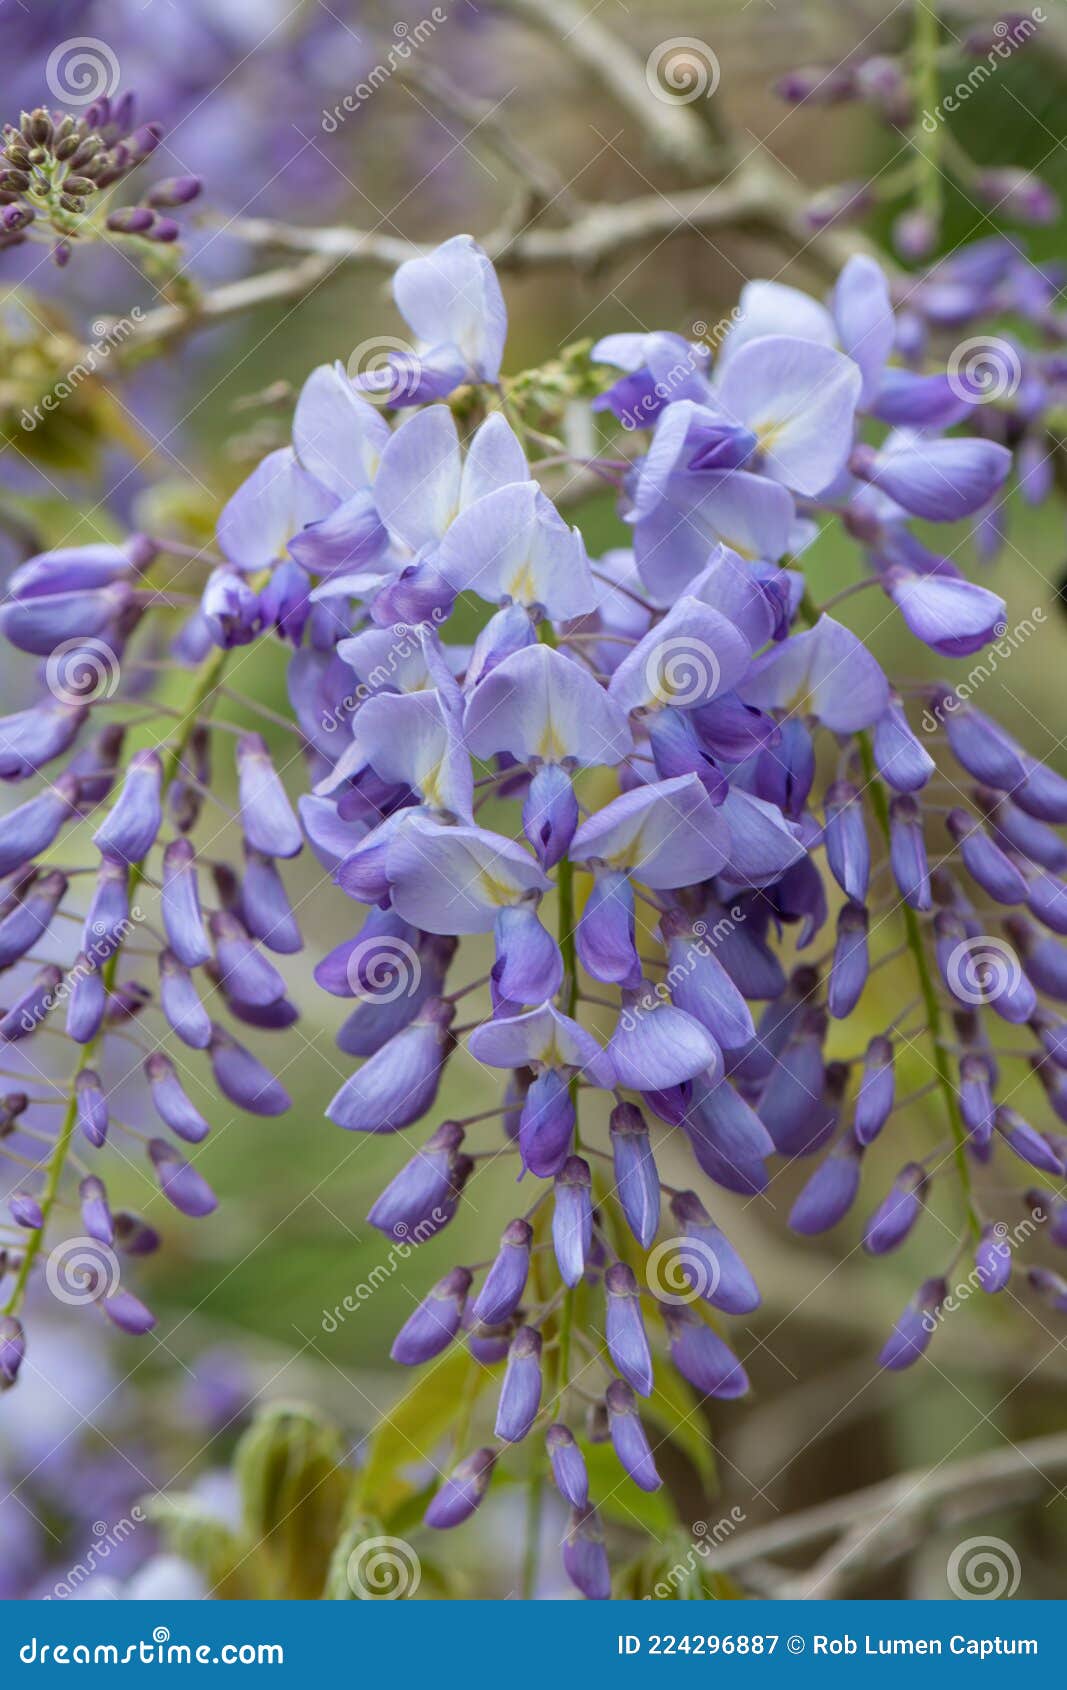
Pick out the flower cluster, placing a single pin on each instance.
(907, 93)
(88, 613)
(684, 761)
(55, 165)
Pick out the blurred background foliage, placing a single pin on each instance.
(261, 1283)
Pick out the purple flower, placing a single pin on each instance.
(452, 302)
(568, 1465)
(462, 1491)
(435, 1322)
(520, 1394)
(628, 1436)
(505, 1281)
(636, 1179)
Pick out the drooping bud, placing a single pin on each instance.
(520, 1394)
(629, 1438)
(462, 1491)
(636, 1178)
(179, 1181)
(626, 1337)
(505, 1281)
(568, 1465)
(572, 1219)
(435, 1322)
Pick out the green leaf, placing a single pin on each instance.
(407, 1434)
(201, 1539)
(676, 1571)
(618, 1498)
(675, 1406)
(294, 1488)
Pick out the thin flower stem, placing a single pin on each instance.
(205, 687)
(926, 140)
(930, 999)
(847, 592)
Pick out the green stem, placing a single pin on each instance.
(926, 140)
(924, 976)
(532, 1556)
(206, 681)
(928, 990)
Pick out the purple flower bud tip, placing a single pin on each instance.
(128, 1313)
(568, 1465)
(629, 1438)
(12, 1350)
(462, 1491)
(179, 1181)
(175, 190)
(914, 1329)
(520, 1394)
(585, 1558)
(993, 1258)
(134, 1236)
(572, 1219)
(505, 1281)
(92, 1107)
(26, 1210)
(626, 1337)
(95, 1210)
(435, 1322)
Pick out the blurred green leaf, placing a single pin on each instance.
(411, 1428)
(203, 1540)
(294, 1488)
(675, 1406)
